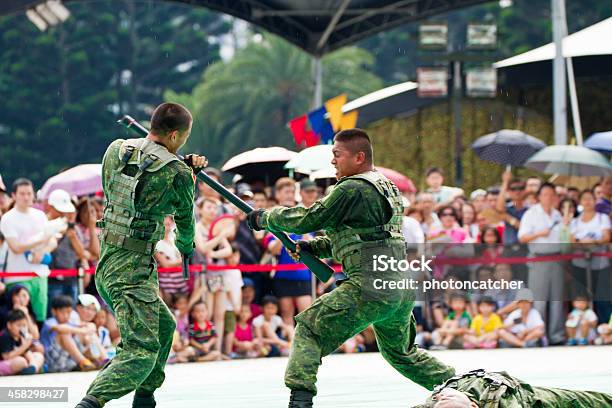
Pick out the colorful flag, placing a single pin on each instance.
(301, 134)
(334, 109)
(349, 120)
(320, 125)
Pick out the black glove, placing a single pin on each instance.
(304, 246)
(188, 159)
(254, 219)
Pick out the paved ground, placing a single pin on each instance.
(356, 380)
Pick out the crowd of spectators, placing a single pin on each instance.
(59, 323)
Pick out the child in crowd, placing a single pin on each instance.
(455, 326)
(355, 344)
(103, 333)
(167, 255)
(86, 310)
(181, 351)
(202, 334)
(63, 350)
(248, 298)
(180, 307)
(581, 323)
(605, 333)
(483, 330)
(271, 330)
(524, 326)
(16, 348)
(233, 283)
(244, 344)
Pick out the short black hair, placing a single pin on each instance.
(432, 170)
(458, 295)
(22, 181)
(546, 184)
(269, 299)
(487, 299)
(358, 140)
(15, 315)
(169, 117)
(61, 302)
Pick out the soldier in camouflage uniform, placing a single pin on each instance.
(362, 218)
(481, 389)
(143, 181)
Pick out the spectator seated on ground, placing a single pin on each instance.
(19, 299)
(19, 356)
(181, 351)
(581, 323)
(100, 321)
(63, 350)
(248, 298)
(244, 343)
(524, 326)
(180, 309)
(86, 310)
(484, 327)
(455, 325)
(605, 333)
(271, 330)
(202, 334)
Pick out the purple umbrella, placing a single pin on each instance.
(78, 181)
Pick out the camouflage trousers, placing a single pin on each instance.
(127, 281)
(339, 315)
(560, 398)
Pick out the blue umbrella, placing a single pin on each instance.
(601, 141)
(507, 146)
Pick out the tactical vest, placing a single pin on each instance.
(497, 385)
(120, 213)
(348, 240)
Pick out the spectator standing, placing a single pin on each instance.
(411, 226)
(589, 231)
(478, 199)
(167, 255)
(425, 202)
(88, 233)
(443, 195)
(449, 228)
(5, 201)
(468, 222)
(513, 211)
(309, 192)
(540, 227)
(533, 184)
(24, 229)
(70, 252)
(17, 347)
(604, 204)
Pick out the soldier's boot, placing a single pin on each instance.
(89, 401)
(143, 399)
(300, 399)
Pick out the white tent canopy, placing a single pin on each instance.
(593, 40)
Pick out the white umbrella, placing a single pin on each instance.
(80, 180)
(262, 162)
(311, 159)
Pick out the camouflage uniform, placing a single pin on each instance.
(142, 183)
(500, 390)
(362, 218)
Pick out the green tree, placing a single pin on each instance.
(247, 102)
(63, 89)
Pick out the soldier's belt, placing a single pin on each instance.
(129, 243)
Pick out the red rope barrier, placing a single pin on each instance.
(337, 268)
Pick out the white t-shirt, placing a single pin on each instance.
(274, 323)
(23, 227)
(535, 220)
(168, 249)
(592, 230)
(232, 283)
(533, 319)
(412, 231)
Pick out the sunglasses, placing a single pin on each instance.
(447, 214)
(517, 188)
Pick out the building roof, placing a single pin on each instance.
(316, 26)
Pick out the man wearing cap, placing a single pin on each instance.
(69, 249)
(309, 192)
(143, 181)
(484, 389)
(24, 229)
